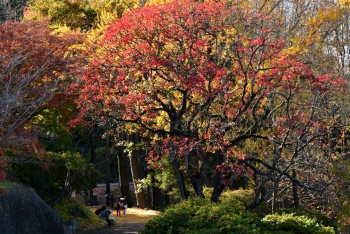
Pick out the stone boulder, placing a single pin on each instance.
(23, 211)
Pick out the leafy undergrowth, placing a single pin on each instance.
(201, 216)
(69, 208)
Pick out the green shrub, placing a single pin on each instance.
(319, 217)
(246, 197)
(201, 216)
(296, 224)
(69, 208)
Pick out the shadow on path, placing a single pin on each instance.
(117, 228)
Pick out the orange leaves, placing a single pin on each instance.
(32, 40)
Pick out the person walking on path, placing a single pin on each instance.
(124, 207)
(118, 207)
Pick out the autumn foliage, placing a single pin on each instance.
(210, 94)
(205, 77)
(32, 62)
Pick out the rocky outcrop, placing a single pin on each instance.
(23, 211)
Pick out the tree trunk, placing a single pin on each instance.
(179, 177)
(274, 197)
(197, 180)
(218, 185)
(261, 194)
(149, 204)
(156, 197)
(108, 170)
(123, 167)
(92, 151)
(166, 199)
(92, 146)
(295, 190)
(136, 175)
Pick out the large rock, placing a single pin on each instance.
(23, 211)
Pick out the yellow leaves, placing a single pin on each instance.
(59, 30)
(323, 17)
(151, 2)
(112, 9)
(228, 36)
(163, 121)
(330, 15)
(298, 46)
(345, 3)
(315, 30)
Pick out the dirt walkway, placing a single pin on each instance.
(134, 220)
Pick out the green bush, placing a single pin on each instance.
(69, 208)
(319, 217)
(203, 216)
(296, 224)
(246, 197)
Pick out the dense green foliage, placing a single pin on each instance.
(203, 216)
(230, 216)
(294, 223)
(63, 172)
(318, 217)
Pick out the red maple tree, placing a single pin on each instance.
(205, 77)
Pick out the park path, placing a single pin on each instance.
(134, 220)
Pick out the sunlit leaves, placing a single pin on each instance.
(203, 79)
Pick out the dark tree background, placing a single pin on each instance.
(11, 10)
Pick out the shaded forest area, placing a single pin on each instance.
(181, 99)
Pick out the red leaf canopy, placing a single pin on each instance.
(207, 71)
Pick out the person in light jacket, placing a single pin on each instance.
(105, 216)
